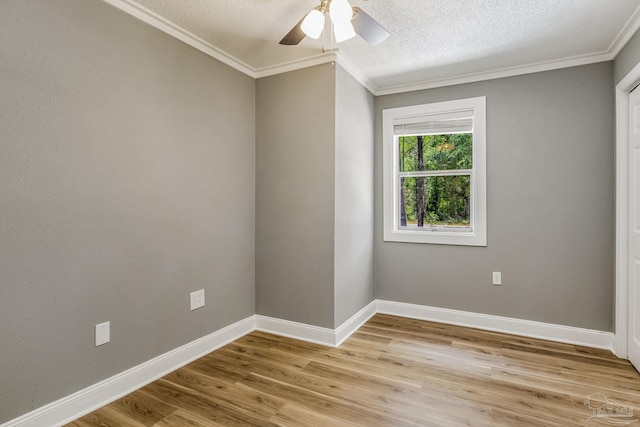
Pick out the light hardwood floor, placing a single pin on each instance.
(392, 372)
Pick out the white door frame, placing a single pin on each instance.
(623, 88)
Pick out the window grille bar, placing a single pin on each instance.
(418, 174)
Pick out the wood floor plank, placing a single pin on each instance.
(219, 368)
(319, 403)
(366, 365)
(577, 390)
(142, 408)
(180, 418)
(555, 407)
(106, 417)
(255, 403)
(392, 372)
(295, 416)
(202, 405)
(373, 397)
(359, 382)
(374, 391)
(247, 363)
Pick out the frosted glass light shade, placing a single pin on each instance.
(343, 31)
(313, 24)
(340, 11)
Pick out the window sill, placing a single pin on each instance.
(438, 236)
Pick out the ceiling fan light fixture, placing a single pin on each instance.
(313, 24)
(346, 22)
(340, 11)
(343, 31)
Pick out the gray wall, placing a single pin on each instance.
(353, 275)
(314, 196)
(295, 151)
(126, 181)
(550, 183)
(628, 58)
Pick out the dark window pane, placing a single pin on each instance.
(439, 152)
(436, 201)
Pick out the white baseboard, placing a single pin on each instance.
(299, 331)
(78, 404)
(347, 329)
(316, 334)
(93, 397)
(527, 328)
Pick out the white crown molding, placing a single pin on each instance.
(162, 24)
(621, 39)
(526, 328)
(323, 58)
(496, 74)
(355, 72)
(330, 56)
(93, 397)
(625, 34)
(157, 21)
(298, 64)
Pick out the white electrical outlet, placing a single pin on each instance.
(197, 299)
(103, 333)
(497, 278)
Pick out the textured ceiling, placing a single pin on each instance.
(431, 40)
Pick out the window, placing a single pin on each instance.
(434, 166)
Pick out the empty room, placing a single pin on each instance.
(319, 213)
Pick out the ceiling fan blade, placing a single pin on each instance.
(368, 28)
(294, 36)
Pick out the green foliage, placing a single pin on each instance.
(440, 152)
(446, 199)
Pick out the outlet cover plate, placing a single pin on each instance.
(103, 333)
(497, 278)
(197, 299)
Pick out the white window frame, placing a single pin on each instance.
(391, 184)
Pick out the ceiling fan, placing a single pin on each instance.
(346, 20)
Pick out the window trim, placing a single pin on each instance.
(390, 166)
